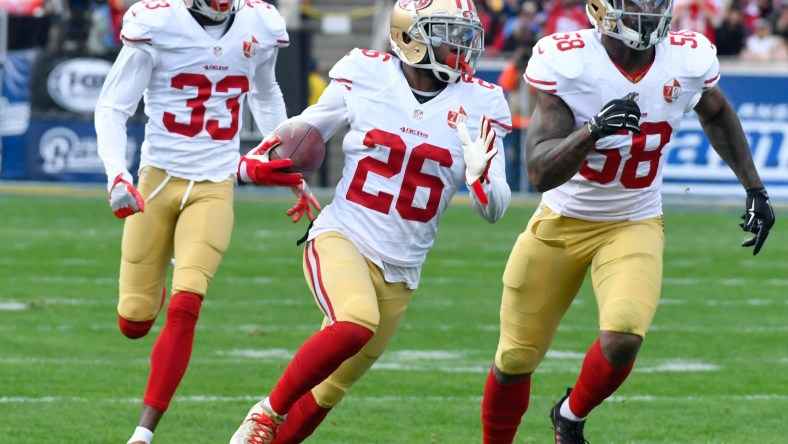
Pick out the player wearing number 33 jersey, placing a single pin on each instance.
(419, 127)
(195, 63)
(608, 101)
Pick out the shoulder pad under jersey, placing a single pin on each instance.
(565, 61)
(692, 51)
(488, 99)
(360, 64)
(566, 53)
(143, 19)
(273, 27)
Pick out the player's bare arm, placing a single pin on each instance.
(554, 149)
(723, 128)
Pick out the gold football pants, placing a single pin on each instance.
(546, 267)
(196, 232)
(348, 287)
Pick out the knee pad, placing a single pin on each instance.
(516, 361)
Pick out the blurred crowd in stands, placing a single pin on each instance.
(749, 29)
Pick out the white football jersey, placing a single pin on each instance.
(403, 160)
(198, 85)
(622, 175)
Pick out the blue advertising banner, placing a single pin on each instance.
(761, 101)
(65, 150)
(14, 109)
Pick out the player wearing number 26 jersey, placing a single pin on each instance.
(608, 101)
(195, 63)
(407, 151)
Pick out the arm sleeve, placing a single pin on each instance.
(118, 100)
(330, 113)
(265, 98)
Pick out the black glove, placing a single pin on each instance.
(758, 218)
(618, 114)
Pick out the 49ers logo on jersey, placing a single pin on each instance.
(671, 91)
(456, 117)
(250, 47)
(419, 4)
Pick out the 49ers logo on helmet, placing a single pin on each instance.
(671, 91)
(418, 4)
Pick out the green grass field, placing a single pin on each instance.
(713, 369)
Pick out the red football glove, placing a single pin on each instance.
(306, 200)
(124, 199)
(256, 167)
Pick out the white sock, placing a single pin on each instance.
(567, 413)
(141, 434)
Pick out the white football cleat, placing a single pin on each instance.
(259, 426)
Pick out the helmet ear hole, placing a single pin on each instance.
(406, 38)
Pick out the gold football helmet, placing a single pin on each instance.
(420, 26)
(216, 10)
(640, 24)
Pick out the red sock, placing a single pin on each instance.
(172, 350)
(317, 358)
(302, 420)
(598, 379)
(503, 407)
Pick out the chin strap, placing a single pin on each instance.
(463, 65)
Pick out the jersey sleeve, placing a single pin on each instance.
(141, 23)
(561, 64)
(701, 66)
(274, 31)
(345, 69)
(330, 113)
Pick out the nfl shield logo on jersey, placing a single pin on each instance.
(671, 91)
(456, 117)
(250, 47)
(217, 51)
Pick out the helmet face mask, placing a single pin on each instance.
(640, 24)
(216, 10)
(426, 33)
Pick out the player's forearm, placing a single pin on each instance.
(553, 162)
(265, 100)
(726, 135)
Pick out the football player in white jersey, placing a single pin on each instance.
(194, 62)
(405, 155)
(608, 101)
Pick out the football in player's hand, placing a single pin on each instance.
(301, 143)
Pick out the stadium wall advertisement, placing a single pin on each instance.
(52, 138)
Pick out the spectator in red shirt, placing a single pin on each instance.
(566, 16)
(700, 16)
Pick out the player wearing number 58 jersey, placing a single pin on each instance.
(608, 101)
(195, 62)
(406, 153)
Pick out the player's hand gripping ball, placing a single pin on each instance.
(303, 144)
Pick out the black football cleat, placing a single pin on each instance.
(566, 430)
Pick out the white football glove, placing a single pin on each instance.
(477, 155)
(306, 200)
(124, 199)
